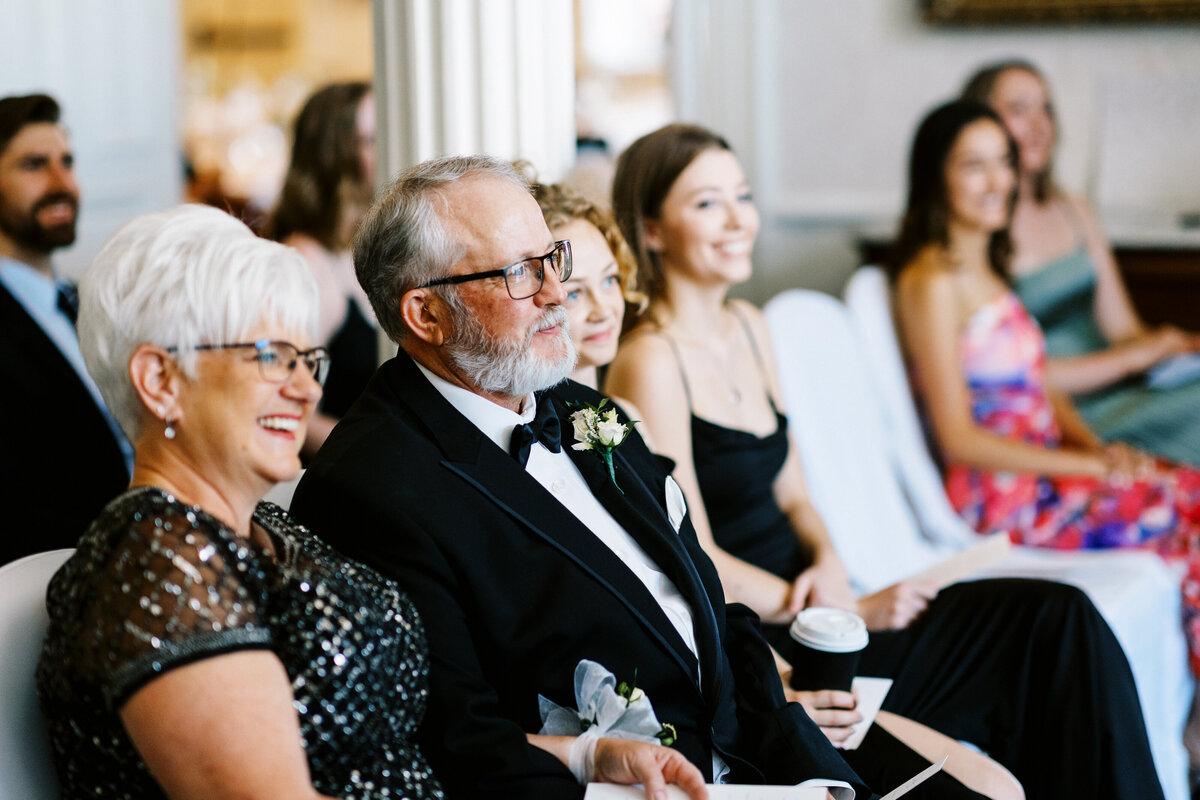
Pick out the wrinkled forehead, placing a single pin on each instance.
(493, 220)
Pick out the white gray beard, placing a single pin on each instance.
(510, 369)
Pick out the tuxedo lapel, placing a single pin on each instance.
(636, 507)
(25, 335)
(498, 476)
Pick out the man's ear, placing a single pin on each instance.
(157, 379)
(653, 235)
(425, 315)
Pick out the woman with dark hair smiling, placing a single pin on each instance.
(328, 187)
(1018, 456)
(970, 661)
(1062, 267)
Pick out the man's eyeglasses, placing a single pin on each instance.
(524, 278)
(277, 360)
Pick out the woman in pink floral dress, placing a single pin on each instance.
(1018, 456)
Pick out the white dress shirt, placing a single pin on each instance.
(559, 475)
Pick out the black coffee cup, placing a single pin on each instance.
(826, 646)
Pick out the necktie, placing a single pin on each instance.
(544, 428)
(68, 301)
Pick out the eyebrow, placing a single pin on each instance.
(702, 189)
(540, 253)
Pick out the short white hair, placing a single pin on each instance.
(402, 242)
(178, 278)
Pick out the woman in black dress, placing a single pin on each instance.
(329, 186)
(201, 643)
(1026, 670)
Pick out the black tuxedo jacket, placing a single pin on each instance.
(514, 591)
(59, 460)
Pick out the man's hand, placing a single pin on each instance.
(654, 766)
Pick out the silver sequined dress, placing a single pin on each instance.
(156, 584)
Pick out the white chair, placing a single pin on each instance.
(25, 768)
(848, 398)
(281, 493)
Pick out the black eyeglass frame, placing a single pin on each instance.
(563, 244)
(319, 370)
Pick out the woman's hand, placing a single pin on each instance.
(833, 711)
(1161, 343)
(896, 606)
(1125, 464)
(823, 584)
(654, 766)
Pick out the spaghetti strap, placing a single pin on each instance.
(762, 368)
(687, 390)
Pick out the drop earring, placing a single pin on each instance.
(169, 432)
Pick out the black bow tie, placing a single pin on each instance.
(544, 428)
(68, 301)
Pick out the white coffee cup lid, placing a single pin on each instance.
(830, 630)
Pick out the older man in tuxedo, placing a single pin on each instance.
(455, 474)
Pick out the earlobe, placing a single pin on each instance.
(424, 314)
(653, 235)
(157, 380)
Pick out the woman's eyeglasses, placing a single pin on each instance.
(277, 360)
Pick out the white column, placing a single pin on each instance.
(475, 76)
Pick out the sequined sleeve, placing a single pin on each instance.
(176, 588)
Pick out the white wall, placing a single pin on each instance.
(821, 98)
(113, 67)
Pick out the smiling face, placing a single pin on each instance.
(235, 424)
(979, 178)
(1023, 102)
(39, 198)
(708, 222)
(496, 344)
(594, 303)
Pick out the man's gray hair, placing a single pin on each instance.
(178, 278)
(402, 243)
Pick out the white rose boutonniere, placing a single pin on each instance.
(599, 431)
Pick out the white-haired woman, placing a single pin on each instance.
(202, 644)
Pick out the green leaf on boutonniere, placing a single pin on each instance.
(599, 431)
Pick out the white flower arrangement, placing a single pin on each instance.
(607, 709)
(599, 431)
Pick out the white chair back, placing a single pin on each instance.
(281, 493)
(834, 417)
(25, 768)
(869, 301)
(1137, 593)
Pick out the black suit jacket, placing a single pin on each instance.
(59, 460)
(514, 591)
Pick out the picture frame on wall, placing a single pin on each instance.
(1023, 12)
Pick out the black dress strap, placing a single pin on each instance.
(758, 359)
(687, 389)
